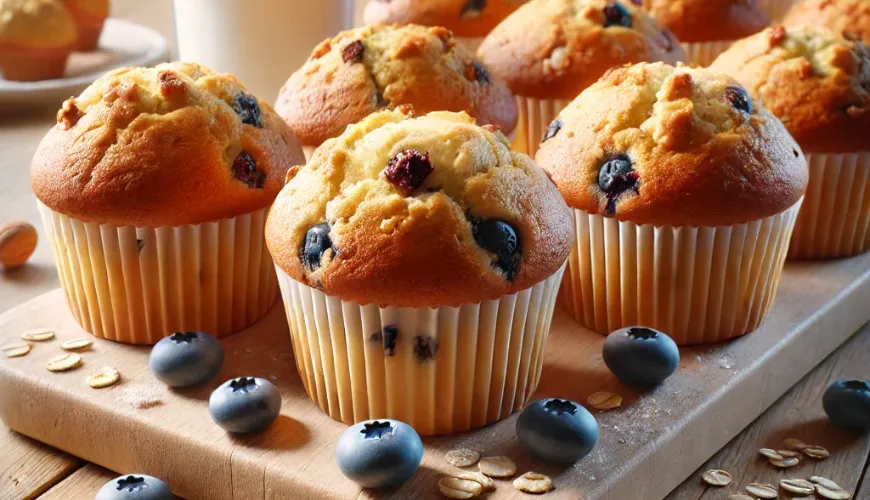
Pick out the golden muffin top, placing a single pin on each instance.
(466, 18)
(36, 24)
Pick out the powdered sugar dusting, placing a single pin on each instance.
(141, 397)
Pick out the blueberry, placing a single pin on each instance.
(408, 169)
(616, 176)
(186, 359)
(245, 404)
(472, 9)
(552, 130)
(501, 239)
(641, 356)
(425, 348)
(739, 98)
(379, 453)
(616, 15)
(317, 242)
(248, 109)
(134, 487)
(557, 430)
(847, 404)
(245, 170)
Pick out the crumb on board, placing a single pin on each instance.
(141, 397)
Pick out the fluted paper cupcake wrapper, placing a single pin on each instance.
(697, 284)
(835, 217)
(535, 116)
(136, 285)
(777, 9)
(442, 370)
(704, 53)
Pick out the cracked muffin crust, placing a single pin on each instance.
(466, 18)
(708, 20)
(171, 145)
(364, 70)
(848, 18)
(553, 49)
(419, 212)
(654, 144)
(817, 83)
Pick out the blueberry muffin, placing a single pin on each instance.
(818, 84)
(364, 70)
(154, 186)
(684, 192)
(433, 247)
(548, 51)
(36, 39)
(470, 20)
(707, 27)
(848, 18)
(90, 16)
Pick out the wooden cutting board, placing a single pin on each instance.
(647, 447)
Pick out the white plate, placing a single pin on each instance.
(122, 43)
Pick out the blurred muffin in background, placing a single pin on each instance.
(848, 18)
(36, 39)
(90, 16)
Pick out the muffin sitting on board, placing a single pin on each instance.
(419, 260)
(550, 50)
(89, 16)
(684, 193)
(818, 84)
(36, 39)
(368, 69)
(154, 187)
(847, 18)
(708, 27)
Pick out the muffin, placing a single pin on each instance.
(90, 16)
(708, 27)
(818, 84)
(36, 39)
(848, 18)
(419, 261)
(548, 51)
(364, 70)
(684, 193)
(470, 20)
(154, 187)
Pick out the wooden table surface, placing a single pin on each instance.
(29, 469)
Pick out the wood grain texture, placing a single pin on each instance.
(798, 414)
(649, 446)
(83, 483)
(28, 468)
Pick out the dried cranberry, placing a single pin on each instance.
(615, 177)
(739, 98)
(245, 170)
(353, 52)
(615, 14)
(408, 169)
(248, 109)
(552, 130)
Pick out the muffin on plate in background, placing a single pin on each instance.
(847, 18)
(364, 70)
(684, 192)
(90, 16)
(469, 20)
(818, 84)
(36, 39)
(548, 51)
(419, 257)
(708, 27)
(154, 186)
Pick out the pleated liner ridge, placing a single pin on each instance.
(535, 116)
(835, 217)
(136, 285)
(704, 53)
(442, 370)
(697, 284)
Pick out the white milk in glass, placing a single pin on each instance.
(260, 41)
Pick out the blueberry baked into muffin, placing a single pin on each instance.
(548, 51)
(848, 18)
(708, 27)
(818, 84)
(36, 39)
(368, 69)
(684, 191)
(154, 186)
(89, 16)
(419, 256)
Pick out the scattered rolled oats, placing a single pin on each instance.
(77, 344)
(771, 454)
(799, 486)
(717, 477)
(789, 453)
(462, 457)
(462, 489)
(104, 377)
(826, 488)
(604, 401)
(794, 444)
(38, 335)
(64, 362)
(815, 451)
(785, 463)
(497, 466)
(765, 491)
(478, 477)
(17, 351)
(532, 482)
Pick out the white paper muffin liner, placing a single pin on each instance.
(361, 362)
(136, 285)
(777, 9)
(835, 217)
(704, 53)
(697, 284)
(535, 116)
